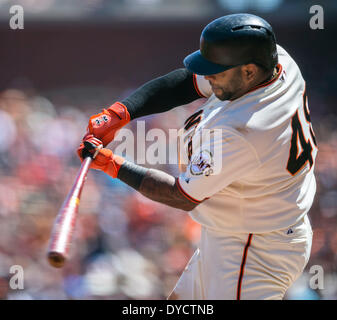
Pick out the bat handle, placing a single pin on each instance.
(65, 221)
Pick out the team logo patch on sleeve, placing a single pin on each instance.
(202, 163)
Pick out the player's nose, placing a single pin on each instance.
(209, 77)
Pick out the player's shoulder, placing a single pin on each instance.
(291, 70)
(266, 106)
(282, 52)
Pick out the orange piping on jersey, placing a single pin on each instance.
(196, 86)
(307, 141)
(307, 111)
(265, 84)
(185, 194)
(305, 103)
(242, 268)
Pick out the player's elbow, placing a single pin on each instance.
(182, 202)
(182, 206)
(187, 207)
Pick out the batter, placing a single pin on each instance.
(249, 187)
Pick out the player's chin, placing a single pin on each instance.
(221, 95)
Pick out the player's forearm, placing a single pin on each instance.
(154, 184)
(162, 94)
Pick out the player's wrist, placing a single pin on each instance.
(113, 166)
(121, 111)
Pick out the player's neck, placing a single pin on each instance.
(259, 82)
(266, 78)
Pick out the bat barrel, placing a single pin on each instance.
(66, 218)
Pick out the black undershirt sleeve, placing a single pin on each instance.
(162, 94)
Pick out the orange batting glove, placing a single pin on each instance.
(105, 125)
(103, 159)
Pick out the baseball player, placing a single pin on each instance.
(253, 204)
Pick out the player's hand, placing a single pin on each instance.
(89, 147)
(106, 124)
(103, 159)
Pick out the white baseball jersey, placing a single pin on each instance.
(253, 168)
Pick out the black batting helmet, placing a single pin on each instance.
(234, 40)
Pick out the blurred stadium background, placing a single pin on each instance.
(75, 57)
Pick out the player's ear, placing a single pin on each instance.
(250, 72)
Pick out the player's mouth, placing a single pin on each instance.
(215, 88)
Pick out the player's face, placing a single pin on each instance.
(228, 85)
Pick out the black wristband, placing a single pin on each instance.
(131, 174)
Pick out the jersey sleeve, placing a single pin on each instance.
(202, 86)
(216, 165)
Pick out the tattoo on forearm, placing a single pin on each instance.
(155, 185)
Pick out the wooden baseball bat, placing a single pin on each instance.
(66, 218)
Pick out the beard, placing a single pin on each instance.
(231, 90)
(223, 95)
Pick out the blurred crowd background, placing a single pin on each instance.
(74, 58)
